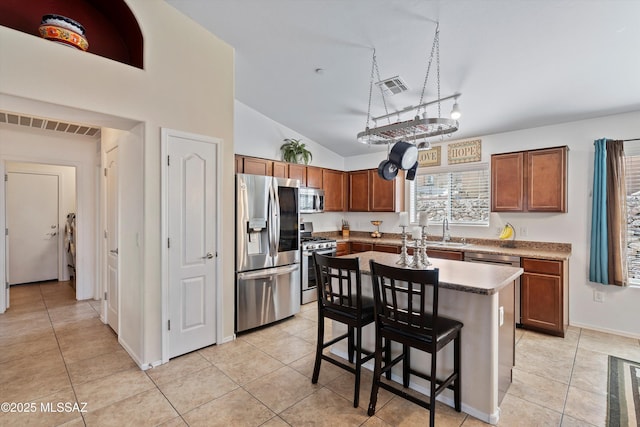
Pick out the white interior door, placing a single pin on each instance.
(113, 294)
(32, 218)
(192, 222)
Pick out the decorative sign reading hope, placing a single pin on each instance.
(465, 151)
(429, 157)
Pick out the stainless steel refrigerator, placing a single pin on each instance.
(267, 250)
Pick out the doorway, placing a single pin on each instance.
(61, 145)
(38, 199)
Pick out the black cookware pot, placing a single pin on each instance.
(387, 170)
(404, 155)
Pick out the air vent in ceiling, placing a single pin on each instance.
(393, 85)
(48, 124)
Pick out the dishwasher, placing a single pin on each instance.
(513, 261)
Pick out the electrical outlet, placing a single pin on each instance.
(498, 231)
(524, 231)
(501, 315)
(598, 296)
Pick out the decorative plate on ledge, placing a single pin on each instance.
(63, 30)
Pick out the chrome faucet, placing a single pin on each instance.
(446, 236)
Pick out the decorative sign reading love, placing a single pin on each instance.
(429, 157)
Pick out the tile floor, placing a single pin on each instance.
(55, 349)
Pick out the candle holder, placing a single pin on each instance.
(423, 248)
(417, 257)
(404, 256)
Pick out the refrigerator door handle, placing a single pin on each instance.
(270, 223)
(269, 272)
(276, 219)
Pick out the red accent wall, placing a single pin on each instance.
(111, 28)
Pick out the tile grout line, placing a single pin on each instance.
(64, 361)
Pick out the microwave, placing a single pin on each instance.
(311, 200)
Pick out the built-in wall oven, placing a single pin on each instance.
(310, 245)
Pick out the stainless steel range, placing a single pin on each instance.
(309, 245)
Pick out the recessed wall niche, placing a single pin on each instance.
(111, 28)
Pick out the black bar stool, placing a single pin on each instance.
(340, 299)
(403, 314)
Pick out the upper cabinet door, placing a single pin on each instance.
(279, 169)
(255, 166)
(507, 182)
(383, 197)
(334, 185)
(299, 172)
(359, 191)
(547, 180)
(314, 177)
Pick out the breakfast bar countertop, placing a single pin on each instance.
(484, 279)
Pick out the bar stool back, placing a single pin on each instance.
(406, 311)
(340, 299)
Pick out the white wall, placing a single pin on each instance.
(187, 84)
(617, 314)
(257, 135)
(67, 201)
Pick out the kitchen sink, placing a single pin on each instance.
(449, 244)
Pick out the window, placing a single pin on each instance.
(458, 193)
(632, 181)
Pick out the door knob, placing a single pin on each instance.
(114, 251)
(209, 255)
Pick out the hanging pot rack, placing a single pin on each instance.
(417, 127)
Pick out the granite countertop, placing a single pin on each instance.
(483, 279)
(524, 249)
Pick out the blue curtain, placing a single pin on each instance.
(598, 266)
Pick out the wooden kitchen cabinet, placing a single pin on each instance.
(359, 191)
(547, 180)
(361, 247)
(256, 166)
(343, 248)
(507, 182)
(368, 192)
(437, 253)
(334, 184)
(314, 177)
(239, 164)
(529, 181)
(544, 306)
(392, 249)
(279, 170)
(383, 193)
(299, 172)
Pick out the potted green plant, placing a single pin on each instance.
(294, 151)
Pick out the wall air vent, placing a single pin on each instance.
(393, 85)
(53, 125)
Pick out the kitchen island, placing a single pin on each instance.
(481, 296)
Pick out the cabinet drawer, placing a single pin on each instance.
(435, 253)
(361, 247)
(392, 249)
(531, 265)
(342, 248)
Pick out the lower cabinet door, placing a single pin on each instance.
(542, 302)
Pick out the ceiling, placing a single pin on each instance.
(517, 64)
